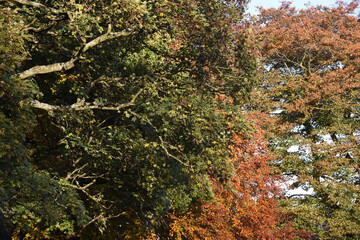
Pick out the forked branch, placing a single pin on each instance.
(62, 66)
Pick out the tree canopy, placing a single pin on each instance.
(112, 116)
(312, 66)
(166, 119)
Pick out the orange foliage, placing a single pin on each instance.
(318, 49)
(246, 208)
(311, 61)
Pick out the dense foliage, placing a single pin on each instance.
(311, 74)
(246, 208)
(111, 113)
(166, 119)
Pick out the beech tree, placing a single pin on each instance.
(311, 75)
(247, 207)
(110, 114)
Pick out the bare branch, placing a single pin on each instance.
(105, 80)
(78, 106)
(162, 142)
(101, 217)
(81, 105)
(56, 67)
(70, 175)
(294, 62)
(300, 195)
(88, 185)
(169, 154)
(40, 29)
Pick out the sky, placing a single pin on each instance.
(296, 3)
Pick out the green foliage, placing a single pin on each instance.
(134, 128)
(29, 198)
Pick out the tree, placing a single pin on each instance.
(311, 73)
(27, 196)
(122, 100)
(247, 207)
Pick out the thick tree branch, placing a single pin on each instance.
(78, 106)
(56, 67)
(81, 105)
(48, 68)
